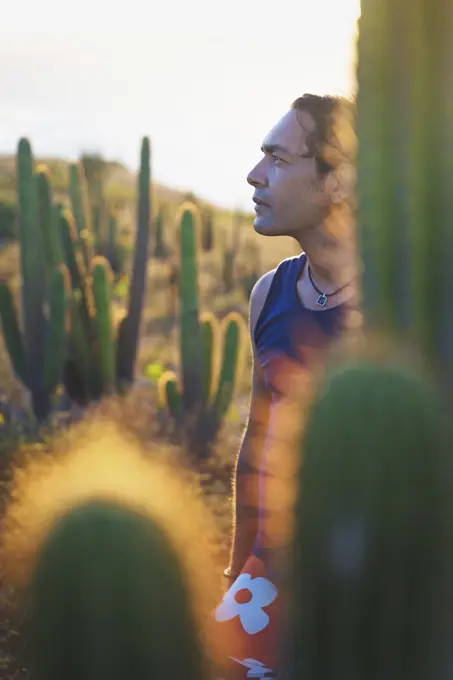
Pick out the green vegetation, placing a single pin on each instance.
(37, 352)
(98, 607)
(405, 164)
(371, 544)
(198, 406)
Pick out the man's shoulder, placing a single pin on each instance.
(261, 290)
(262, 286)
(258, 297)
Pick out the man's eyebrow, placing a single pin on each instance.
(272, 148)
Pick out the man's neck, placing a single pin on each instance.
(333, 262)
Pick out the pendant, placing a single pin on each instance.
(322, 300)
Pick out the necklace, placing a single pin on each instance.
(323, 297)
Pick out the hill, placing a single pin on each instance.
(120, 191)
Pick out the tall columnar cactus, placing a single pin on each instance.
(190, 329)
(102, 293)
(203, 399)
(113, 249)
(90, 371)
(405, 107)
(97, 226)
(94, 167)
(81, 209)
(109, 600)
(74, 254)
(37, 353)
(372, 564)
(128, 334)
(99, 360)
(48, 217)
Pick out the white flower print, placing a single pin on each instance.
(256, 669)
(257, 593)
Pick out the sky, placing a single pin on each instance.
(204, 79)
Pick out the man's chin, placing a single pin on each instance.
(264, 226)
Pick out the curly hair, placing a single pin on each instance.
(333, 140)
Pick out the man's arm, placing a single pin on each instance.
(246, 476)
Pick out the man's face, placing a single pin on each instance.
(289, 193)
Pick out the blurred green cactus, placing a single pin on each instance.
(370, 579)
(202, 401)
(405, 168)
(160, 248)
(128, 332)
(97, 225)
(207, 234)
(102, 293)
(37, 353)
(62, 282)
(110, 600)
(78, 192)
(48, 218)
(101, 359)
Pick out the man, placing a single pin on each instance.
(304, 188)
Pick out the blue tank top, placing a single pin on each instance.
(286, 329)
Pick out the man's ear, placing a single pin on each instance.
(340, 182)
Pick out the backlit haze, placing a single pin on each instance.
(205, 79)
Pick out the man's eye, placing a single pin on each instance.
(276, 158)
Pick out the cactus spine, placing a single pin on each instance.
(37, 353)
(206, 394)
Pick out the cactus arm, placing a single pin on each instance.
(75, 261)
(210, 333)
(102, 281)
(233, 327)
(169, 394)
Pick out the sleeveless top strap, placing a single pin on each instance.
(282, 287)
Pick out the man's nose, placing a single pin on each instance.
(258, 176)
